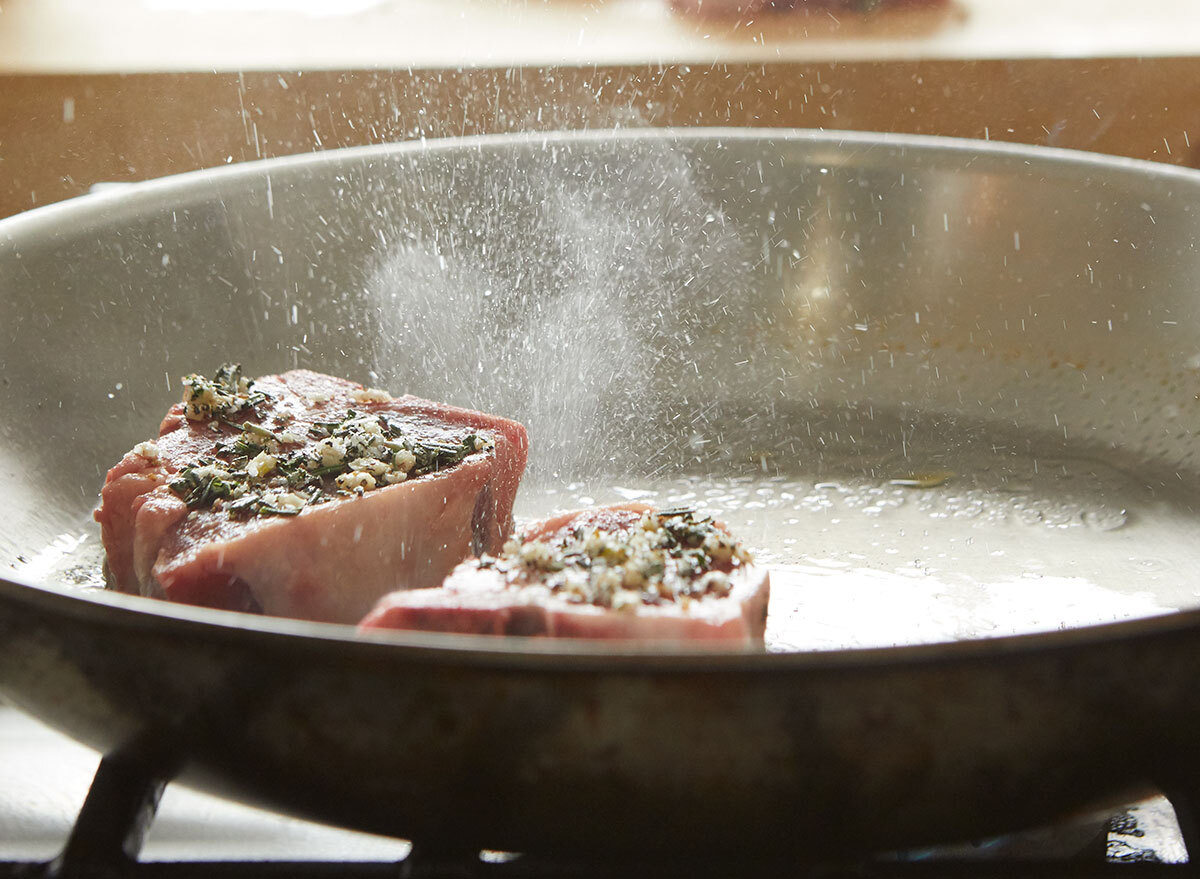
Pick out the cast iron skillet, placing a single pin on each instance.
(760, 290)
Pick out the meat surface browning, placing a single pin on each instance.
(307, 496)
(619, 572)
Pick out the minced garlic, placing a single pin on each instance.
(370, 395)
(263, 470)
(665, 557)
(147, 450)
(355, 479)
(260, 465)
(226, 394)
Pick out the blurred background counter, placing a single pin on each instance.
(121, 90)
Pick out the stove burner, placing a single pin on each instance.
(120, 806)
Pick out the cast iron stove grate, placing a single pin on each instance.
(111, 827)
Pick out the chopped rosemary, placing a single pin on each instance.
(660, 558)
(226, 394)
(256, 471)
(203, 484)
(251, 427)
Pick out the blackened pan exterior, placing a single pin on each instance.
(463, 745)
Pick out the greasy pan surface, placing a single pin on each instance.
(706, 305)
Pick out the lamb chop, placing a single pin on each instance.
(619, 572)
(308, 496)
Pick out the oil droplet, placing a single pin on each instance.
(1105, 519)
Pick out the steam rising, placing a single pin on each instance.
(562, 318)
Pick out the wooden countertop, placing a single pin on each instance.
(122, 90)
(77, 36)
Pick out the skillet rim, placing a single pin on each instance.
(121, 611)
(131, 195)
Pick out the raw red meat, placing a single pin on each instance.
(619, 572)
(304, 495)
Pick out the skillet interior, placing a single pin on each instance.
(731, 286)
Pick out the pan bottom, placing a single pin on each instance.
(980, 543)
(939, 556)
